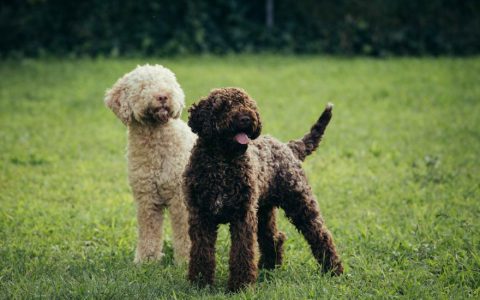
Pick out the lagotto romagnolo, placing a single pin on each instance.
(149, 101)
(238, 177)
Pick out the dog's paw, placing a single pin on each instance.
(147, 258)
(336, 269)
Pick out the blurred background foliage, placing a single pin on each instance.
(141, 27)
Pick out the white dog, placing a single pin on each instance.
(149, 102)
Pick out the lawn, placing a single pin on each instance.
(397, 177)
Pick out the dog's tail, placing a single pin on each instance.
(304, 147)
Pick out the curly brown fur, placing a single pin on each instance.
(237, 176)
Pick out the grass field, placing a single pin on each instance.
(397, 177)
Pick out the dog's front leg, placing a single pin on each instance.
(179, 218)
(150, 225)
(203, 235)
(243, 254)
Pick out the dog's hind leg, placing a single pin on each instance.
(150, 230)
(270, 240)
(179, 219)
(302, 210)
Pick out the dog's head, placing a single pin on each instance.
(227, 116)
(148, 95)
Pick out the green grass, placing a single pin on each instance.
(397, 177)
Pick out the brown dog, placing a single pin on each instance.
(235, 176)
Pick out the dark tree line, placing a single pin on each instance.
(140, 27)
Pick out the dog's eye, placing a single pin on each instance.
(226, 103)
(218, 104)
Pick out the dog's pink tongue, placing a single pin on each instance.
(242, 138)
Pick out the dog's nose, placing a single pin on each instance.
(162, 98)
(244, 121)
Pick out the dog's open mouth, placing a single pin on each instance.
(161, 112)
(158, 114)
(242, 138)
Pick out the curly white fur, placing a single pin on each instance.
(150, 101)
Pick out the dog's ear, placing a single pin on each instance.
(200, 118)
(177, 94)
(117, 100)
(258, 129)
